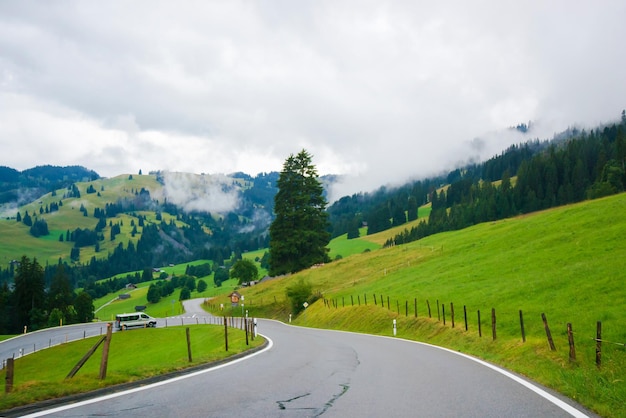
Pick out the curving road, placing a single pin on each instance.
(310, 373)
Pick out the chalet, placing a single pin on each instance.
(234, 298)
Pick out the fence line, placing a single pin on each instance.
(442, 316)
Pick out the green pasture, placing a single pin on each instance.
(567, 263)
(33, 383)
(343, 247)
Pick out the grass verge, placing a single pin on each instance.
(133, 357)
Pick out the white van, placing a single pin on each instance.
(135, 319)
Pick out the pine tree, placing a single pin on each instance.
(299, 234)
(60, 294)
(29, 293)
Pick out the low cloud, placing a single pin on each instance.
(200, 192)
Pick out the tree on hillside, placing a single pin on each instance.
(299, 234)
(245, 271)
(353, 228)
(84, 307)
(29, 293)
(39, 228)
(154, 293)
(378, 220)
(60, 294)
(221, 275)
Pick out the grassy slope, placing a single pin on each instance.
(567, 263)
(17, 241)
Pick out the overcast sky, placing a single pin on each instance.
(380, 91)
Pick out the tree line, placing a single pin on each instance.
(30, 305)
(588, 166)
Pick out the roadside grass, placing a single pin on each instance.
(133, 356)
(565, 262)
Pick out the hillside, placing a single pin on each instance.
(565, 262)
(123, 205)
(19, 187)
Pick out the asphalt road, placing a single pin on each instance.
(310, 373)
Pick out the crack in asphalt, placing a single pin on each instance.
(330, 403)
(283, 405)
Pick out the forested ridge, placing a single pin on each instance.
(574, 166)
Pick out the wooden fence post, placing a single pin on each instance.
(429, 312)
(465, 316)
(8, 379)
(480, 329)
(452, 313)
(245, 325)
(188, 345)
(226, 333)
(493, 323)
(415, 305)
(364, 299)
(521, 324)
(598, 344)
(375, 303)
(352, 299)
(105, 352)
(548, 333)
(570, 339)
(359, 297)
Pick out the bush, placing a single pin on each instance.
(298, 293)
(221, 275)
(154, 293)
(185, 294)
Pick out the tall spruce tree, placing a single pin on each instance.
(29, 293)
(299, 234)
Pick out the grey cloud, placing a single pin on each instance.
(377, 91)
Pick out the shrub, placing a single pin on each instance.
(298, 293)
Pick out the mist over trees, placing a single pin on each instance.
(532, 177)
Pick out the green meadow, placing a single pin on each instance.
(567, 263)
(33, 383)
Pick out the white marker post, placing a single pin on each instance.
(394, 327)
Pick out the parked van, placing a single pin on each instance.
(136, 319)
